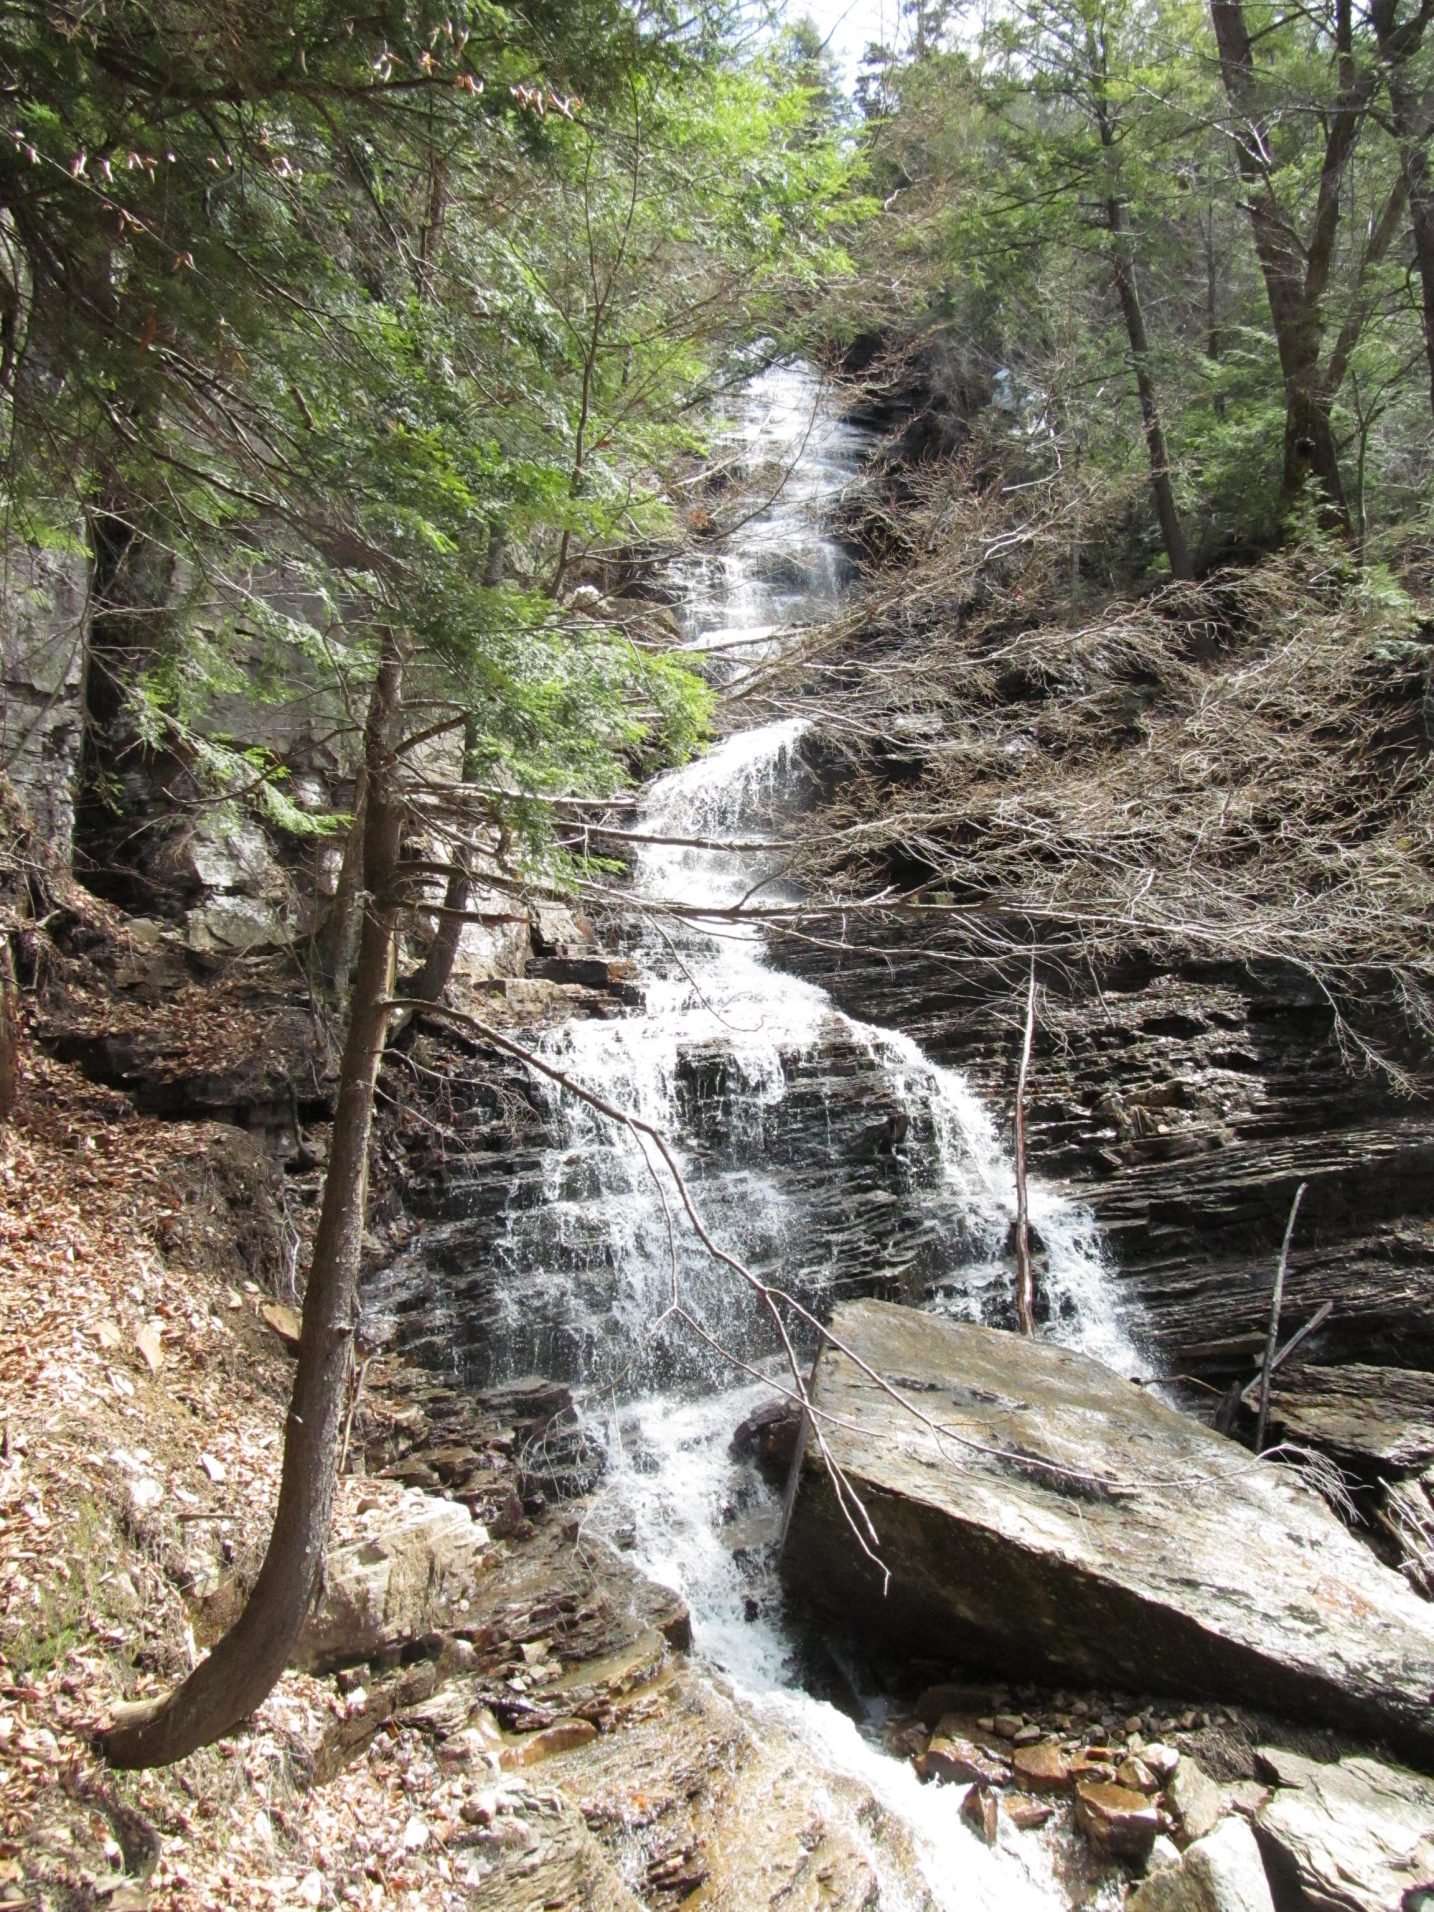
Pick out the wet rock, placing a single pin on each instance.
(981, 1811)
(1353, 1837)
(1007, 1725)
(1025, 1813)
(411, 1570)
(532, 1748)
(1119, 1824)
(1193, 1799)
(1090, 1530)
(769, 1437)
(614, 975)
(958, 1762)
(1222, 1872)
(1042, 1768)
(905, 1739)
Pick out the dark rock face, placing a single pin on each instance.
(1378, 1422)
(1185, 1110)
(1044, 1514)
(514, 1269)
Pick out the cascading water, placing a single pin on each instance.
(773, 1104)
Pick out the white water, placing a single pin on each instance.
(609, 1257)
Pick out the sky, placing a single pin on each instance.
(852, 24)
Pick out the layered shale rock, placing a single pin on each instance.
(1353, 1837)
(1185, 1108)
(1036, 1511)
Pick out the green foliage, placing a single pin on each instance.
(315, 302)
(1072, 134)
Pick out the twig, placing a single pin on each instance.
(1025, 1273)
(1275, 1300)
(1316, 1320)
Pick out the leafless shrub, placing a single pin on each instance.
(1234, 771)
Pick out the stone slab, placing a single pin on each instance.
(1037, 1512)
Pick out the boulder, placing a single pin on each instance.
(769, 1437)
(1194, 1800)
(1120, 1824)
(1037, 1512)
(1353, 1837)
(1222, 1872)
(410, 1571)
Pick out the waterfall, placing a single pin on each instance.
(773, 1103)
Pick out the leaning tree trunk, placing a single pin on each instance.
(224, 1689)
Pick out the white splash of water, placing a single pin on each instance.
(724, 1036)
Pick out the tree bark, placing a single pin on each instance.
(1411, 118)
(9, 1032)
(336, 944)
(1420, 180)
(1172, 531)
(224, 1689)
(1296, 274)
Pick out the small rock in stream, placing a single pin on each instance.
(981, 1810)
(1119, 1824)
(1025, 1813)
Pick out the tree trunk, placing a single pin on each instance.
(224, 1689)
(9, 1032)
(1421, 220)
(1410, 114)
(336, 943)
(1295, 274)
(1172, 532)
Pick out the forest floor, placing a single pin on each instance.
(141, 1409)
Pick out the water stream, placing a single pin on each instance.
(774, 1103)
(730, 1047)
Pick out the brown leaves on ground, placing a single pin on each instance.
(141, 1409)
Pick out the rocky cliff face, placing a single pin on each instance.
(1186, 1109)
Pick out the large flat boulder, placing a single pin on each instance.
(1352, 1837)
(1039, 1513)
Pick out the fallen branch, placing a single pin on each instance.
(1275, 1300)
